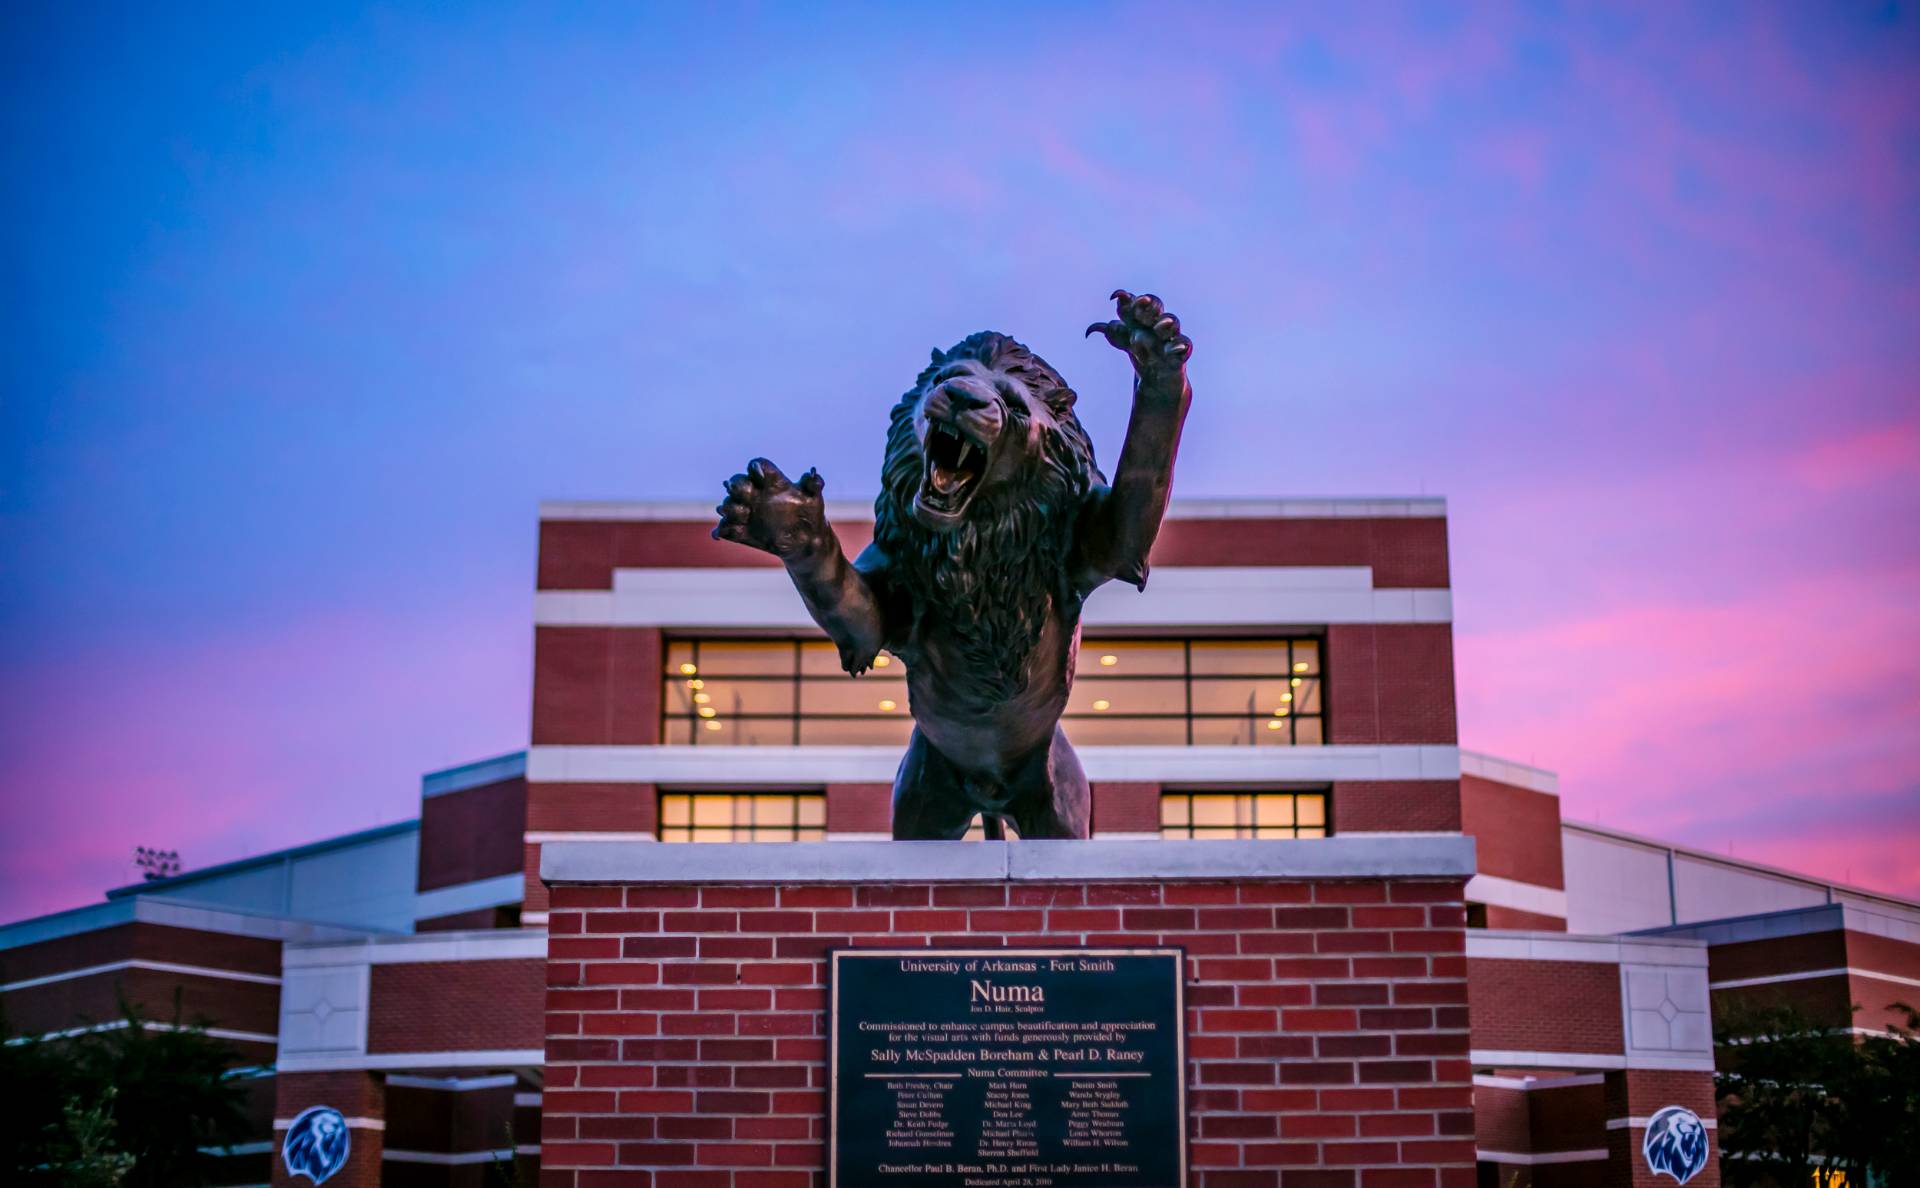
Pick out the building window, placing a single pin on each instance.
(1168, 692)
(779, 692)
(1243, 814)
(1198, 692)
(742, 816)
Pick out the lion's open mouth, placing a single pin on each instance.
(954, 467)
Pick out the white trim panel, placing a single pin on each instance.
(473, 775)
(491, 1058)
(1508, 1058)
(1710, 1122)
(501, 944)
(1506, 771)
(448, 1159)
(252, 1037)
(1563, 946)
(1538, 1084)
(1375, 507)
(200, 971)
(1836, 972)
(353, 1123)
(1177, 596)
(452, 1084)
(468, 897)
(810, 766)
(1495, 891)
(1530, 1160)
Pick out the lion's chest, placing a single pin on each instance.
(968, 712)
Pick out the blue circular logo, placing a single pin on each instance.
(1676, 1143)
(316, 1144)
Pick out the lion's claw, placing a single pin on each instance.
(1148, 333)
(764, 510)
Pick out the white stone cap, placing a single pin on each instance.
(1355, 856)
(1368, 507)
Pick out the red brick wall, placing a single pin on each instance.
(1637, 1093)
(434, 1006)
(686, 1026)
(596, 685)
(1500, 1119)
(614, 808)
(860, 808)
(155, 942)
(1396, 806)
(472, 834)
(1517, 831)
(1545, 1006)
(1514, 918)
(1777, 955)
(1390, 683)
(1569, 1117)
(1126, 808)
(1404, 552)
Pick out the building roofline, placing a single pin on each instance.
(1508, 771)
(142, 909)
(1340, 508)
(344, 841)
(473, 775)
(1780, 872)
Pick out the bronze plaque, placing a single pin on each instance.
(1007, 1068)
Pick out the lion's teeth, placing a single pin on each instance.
(966, 450)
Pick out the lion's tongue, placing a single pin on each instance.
(945, 481)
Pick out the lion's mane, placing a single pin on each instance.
(998, 578)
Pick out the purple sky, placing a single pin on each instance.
(309, 307)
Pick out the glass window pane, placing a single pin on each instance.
(737, 657)
(1173, 810)
(1274, 809)
(1311, 809)
(1231, 732)
(819, 657)
(1306, 832)
(850, 695)
(713, 810)
(1132, 657)
(811, 835)
(680, 659)
(675, 810)
(1233, 656)
(675, 835)
(1215, 810)
(727, 697)
(1306, 656)
(812, 810)
(746, 732)
(773, 810)
(1112, 730)
(888, 730)
(1306, 695)
(677, 732)
(1243, 695)
(1308, 732)
(1127, 697)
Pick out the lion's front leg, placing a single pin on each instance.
(765, 511)
(1121, 522)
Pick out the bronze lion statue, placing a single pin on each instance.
(993, 525)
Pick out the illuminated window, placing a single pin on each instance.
(1197, 692)
(778, 692)
(1167, 692)
(742, 816)
(1243, 814)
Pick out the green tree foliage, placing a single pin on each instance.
(131, 1106)
(1805, 1104)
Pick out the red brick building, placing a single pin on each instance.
(1405, 968)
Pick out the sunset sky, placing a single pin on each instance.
(308, 307)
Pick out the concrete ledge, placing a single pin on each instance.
(1357, 856)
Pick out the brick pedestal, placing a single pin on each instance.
(1326, 987)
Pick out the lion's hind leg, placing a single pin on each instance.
(1050, 797)
(930, 798)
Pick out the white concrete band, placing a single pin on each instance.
(1176, 596)
(814, 766)
(1353, 856)
(1506, 771)
(1514, 1058)
(197, 971)
(468, 897)
(484, 945)
(489, 1058)
(1540, 1157)
(1520, 897)
(1382, 507)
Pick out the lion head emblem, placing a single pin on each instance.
(1676, 1143)
(985, 470)
(316, 1144)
